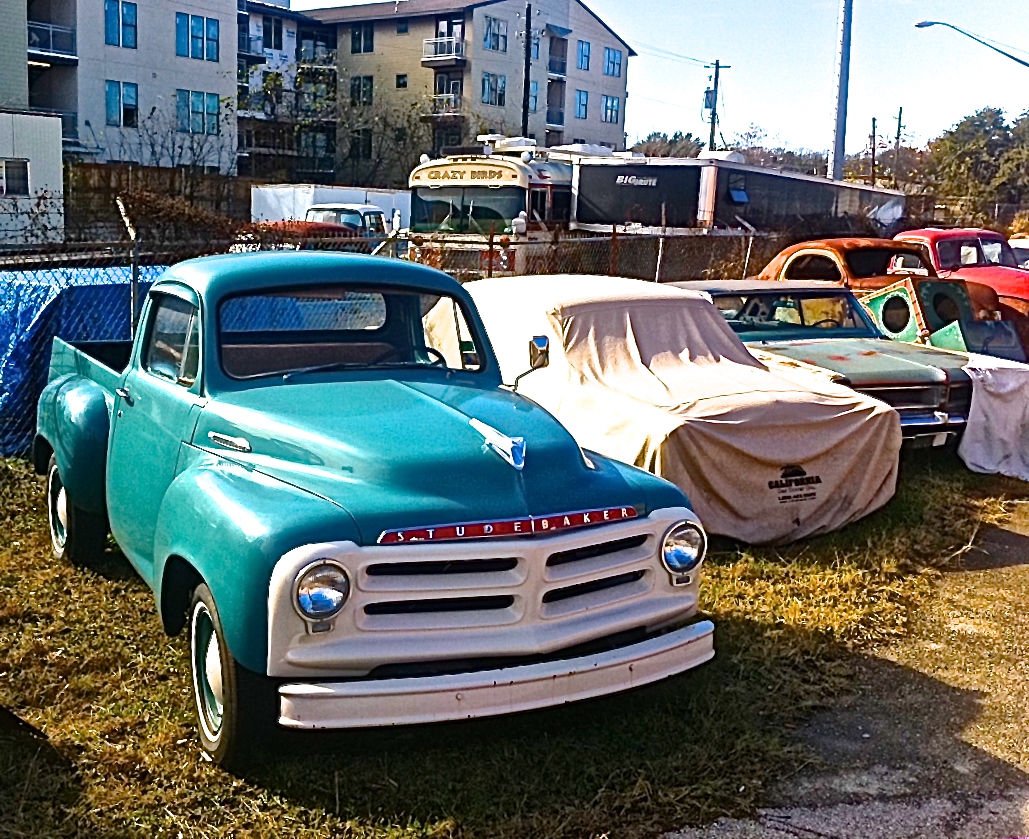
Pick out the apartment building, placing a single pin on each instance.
(31, 178)
(462, 63)
(287, 85)
(147, 81)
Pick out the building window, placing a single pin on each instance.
(361, 90)
(362, 38)
(535, 48)
(402, 81)
(211, 40)
(582, 101)
(122, 104)
(495, 37)
(196, 36)
(612, 62)
(534, 96)
(402, 26)
(182, 34)
(494, 89)
(361, 144)
(610, 109)
(120, 24)
(197, 112)
(271, 31)
(584, 55)
(14, 178)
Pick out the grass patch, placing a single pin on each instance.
(97, 739)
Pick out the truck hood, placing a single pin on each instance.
(404, 455)
(873, 361)
(1009, 282)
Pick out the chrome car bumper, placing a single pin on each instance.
(933, 430)
(425, 699)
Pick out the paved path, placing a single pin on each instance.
(933, 741)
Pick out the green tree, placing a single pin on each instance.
(659, 144)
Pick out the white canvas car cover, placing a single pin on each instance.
(653, 376)
(998, 422)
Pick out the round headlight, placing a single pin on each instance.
(684, 548)
(322, 589)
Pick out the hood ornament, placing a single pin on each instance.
(511, 449)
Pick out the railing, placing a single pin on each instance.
(51, 38)
(276, 105)
(443, 48)
(558, 66)
(555, 116)
(251, 44)
(446, 103)
(317, 57)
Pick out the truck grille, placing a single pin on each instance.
(910, 399)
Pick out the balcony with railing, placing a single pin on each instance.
(316, 57)
(69, 120)
(557, 66)
(52, 43)
(251, 48)
(555, 116)
(443, 52)
(446, 105)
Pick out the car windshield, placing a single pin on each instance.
(349, 218)
(778, 316)
(473, 210)
(959, 253)
(335, 327)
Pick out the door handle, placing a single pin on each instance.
(123, 392)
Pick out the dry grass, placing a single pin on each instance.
(97, 738)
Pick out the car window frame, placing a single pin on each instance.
(196, 320)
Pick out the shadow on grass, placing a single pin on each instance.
(38, 786)
(691, 749)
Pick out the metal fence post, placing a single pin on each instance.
(613, 268)
(489, 261)
(134, 289)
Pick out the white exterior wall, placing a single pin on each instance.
(40, 217)
(565, 14)
(158, 72)
(275, 61)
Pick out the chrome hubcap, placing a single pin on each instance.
(208, 681)
(58, 504)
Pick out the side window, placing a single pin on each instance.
(172, 349)
(813, 267)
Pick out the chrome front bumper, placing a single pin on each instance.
(410, 701)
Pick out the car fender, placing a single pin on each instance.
(231, 525)
(74, 418)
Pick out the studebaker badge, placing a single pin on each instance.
(512, 449)
(528, 526)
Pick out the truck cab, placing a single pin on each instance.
(313, 462)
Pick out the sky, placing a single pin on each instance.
(782, 56)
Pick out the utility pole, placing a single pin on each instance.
(712, 102)
(873, 141)
(842, 90)
(896, 149)
(527, 70)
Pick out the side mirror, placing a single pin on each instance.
(539, 352)
(539, 357)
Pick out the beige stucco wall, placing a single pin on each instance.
(14, 81)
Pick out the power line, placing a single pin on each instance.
(650, 48)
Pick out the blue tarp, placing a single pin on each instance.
(76, 304)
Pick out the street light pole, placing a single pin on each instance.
(925, 24)
(842, 90)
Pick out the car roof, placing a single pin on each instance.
(934, 233)
(754, 285)
(216, 277)
(582, 292)
(364, 208)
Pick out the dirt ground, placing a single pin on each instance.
(933, 739)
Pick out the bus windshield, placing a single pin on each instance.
(466, 210)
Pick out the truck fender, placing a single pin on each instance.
(73, 419)
(228, 526)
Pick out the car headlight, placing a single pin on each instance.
(683, 548)
(321, 590)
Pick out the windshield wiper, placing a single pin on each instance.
(324, 368)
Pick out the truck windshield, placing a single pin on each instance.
(772, 316)
(959, 253)
(319, 329)
(349, 218)
(466, 210)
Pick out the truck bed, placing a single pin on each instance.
(99, 361)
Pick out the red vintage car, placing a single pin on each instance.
(977, 256)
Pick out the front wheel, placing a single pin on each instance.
(75, 534)
(233, 711)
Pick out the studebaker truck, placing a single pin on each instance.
(354, 522)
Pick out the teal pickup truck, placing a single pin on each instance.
(311, 460)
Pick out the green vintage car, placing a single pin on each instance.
(353, 520)
(824, 324)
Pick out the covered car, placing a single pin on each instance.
(654, 376)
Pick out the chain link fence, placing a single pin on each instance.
(91, 292)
